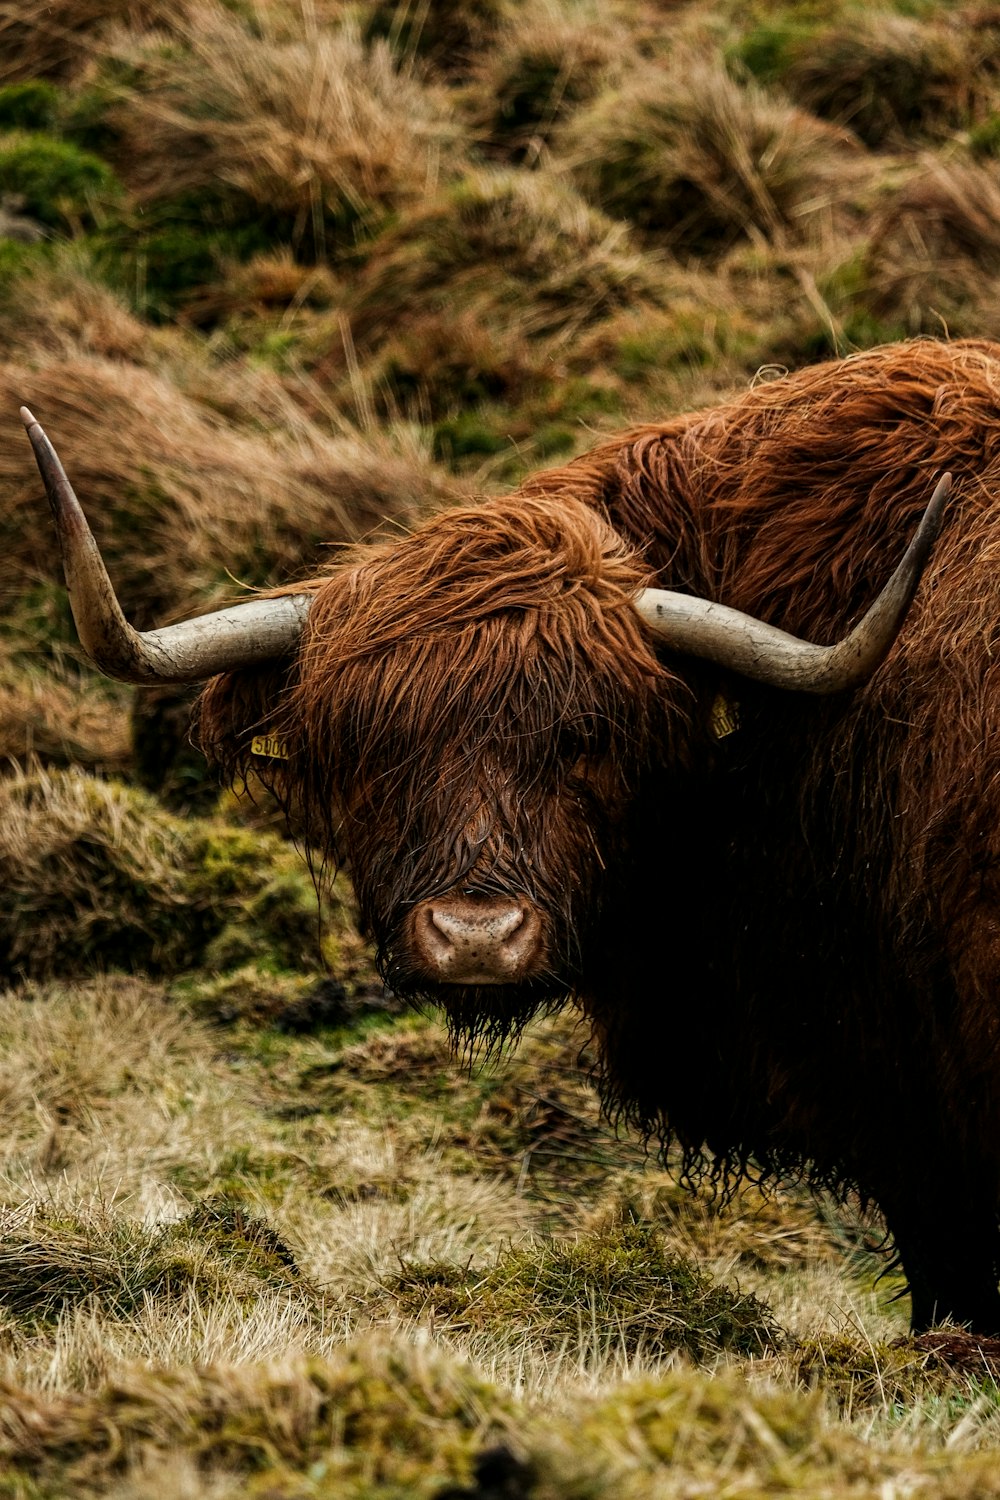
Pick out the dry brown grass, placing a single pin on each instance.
(44, 715)
(63, 308)
(312, 127)
(184, 503)
(700, 161)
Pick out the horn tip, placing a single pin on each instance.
(27, 418)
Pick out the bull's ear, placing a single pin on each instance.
(239, 721)
(191, 651)
(761, 651)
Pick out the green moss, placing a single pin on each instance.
(60, 184)
(767, 51)
(466, 435)
(621, 1287)
(32, 105)
(286, 910)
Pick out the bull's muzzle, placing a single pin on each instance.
(466, 938)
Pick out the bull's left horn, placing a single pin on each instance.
(761, 651)
(191, 651)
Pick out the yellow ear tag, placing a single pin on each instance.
(725, 717)
(269, 746)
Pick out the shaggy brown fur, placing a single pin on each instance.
(787, 940)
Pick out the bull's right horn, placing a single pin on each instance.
(761, 651)
(190, 651)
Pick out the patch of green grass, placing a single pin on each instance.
(621, 1287)
(166, 256)
(467, 435)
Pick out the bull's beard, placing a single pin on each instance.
(483, 1017)
(486, 1015)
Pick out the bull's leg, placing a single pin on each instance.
(949, 1245)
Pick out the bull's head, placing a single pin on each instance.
(468, 717)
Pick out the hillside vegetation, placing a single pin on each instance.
(278, 275)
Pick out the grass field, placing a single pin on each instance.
(282, 274)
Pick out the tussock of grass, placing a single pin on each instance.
(622, 1284)
(527, 241)
(60, 307)
(294, 1003)
(273, 285)
(54, 181)
(50, 1264)
(371, 1422)
(887, 76)
(687, 1433)
(414, 1059)
(855, 1373)
(688, 154)
(546, 62)
(449, 34)
(934, 253)
(477, 295)
(55, 40)
(97, 875)
(770, 1232)
(313, 134)
(376, 1422)
(32, 105)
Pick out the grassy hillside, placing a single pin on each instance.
(280, 274)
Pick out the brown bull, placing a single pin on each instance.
(767, 867)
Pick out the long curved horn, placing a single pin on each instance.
(191, 651)
(761, 651)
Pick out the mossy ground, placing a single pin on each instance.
(277, 277)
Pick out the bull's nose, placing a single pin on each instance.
(470, 939)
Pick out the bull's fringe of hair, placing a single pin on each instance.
(872, 819)
(491, 639)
